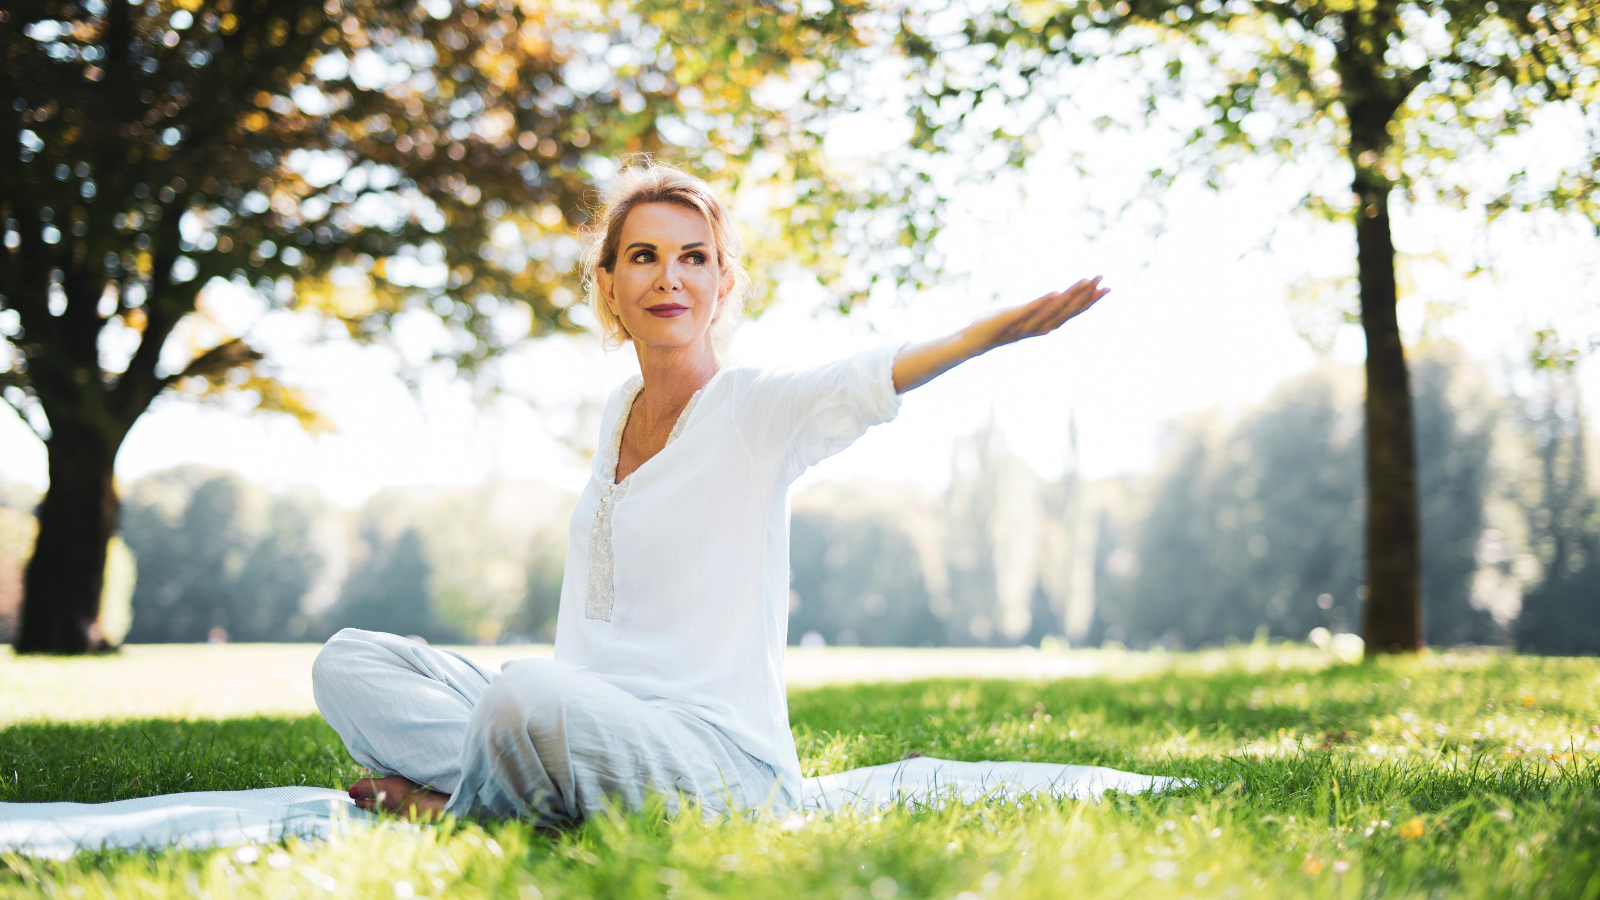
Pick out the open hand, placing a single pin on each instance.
(1040, 316)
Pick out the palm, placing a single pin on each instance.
(1047, 313)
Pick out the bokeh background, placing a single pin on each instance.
(1179, 467)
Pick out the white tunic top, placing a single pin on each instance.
(676, 587)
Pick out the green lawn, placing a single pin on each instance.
(1470, 775)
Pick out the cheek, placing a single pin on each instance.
(708, 280)
(631, 283)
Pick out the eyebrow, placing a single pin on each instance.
(653, 246)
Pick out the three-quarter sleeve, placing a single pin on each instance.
(794, 419)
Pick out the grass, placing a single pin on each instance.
(1458, 775)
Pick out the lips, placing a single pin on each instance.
(666, 310)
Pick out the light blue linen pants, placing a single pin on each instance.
(542, 740)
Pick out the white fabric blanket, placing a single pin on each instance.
(225, 818)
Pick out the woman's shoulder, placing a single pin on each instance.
(747, 383)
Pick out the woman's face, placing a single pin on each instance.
(666, 286)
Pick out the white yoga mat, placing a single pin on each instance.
(225, 818)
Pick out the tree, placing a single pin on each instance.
(534, 619)
(1561, 613)
(391, 590)
(193, 532)
(214, 551)
(1248, 526)
(284, 564)
(1399, 88)
(1255, 524)
(857, 579)
(361, 159)
(1456, 416)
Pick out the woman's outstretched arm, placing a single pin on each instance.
(919, 364)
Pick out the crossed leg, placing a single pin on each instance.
(541, 740)
(401, 708)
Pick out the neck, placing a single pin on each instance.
(671, 376)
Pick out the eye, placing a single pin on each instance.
(639, 254)
(699, 256)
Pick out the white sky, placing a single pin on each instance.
(1193, 321)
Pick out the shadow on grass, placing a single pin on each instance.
(1115, 723)
(1100, 721)
(1120, 723)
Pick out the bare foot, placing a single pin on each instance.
(398, 794)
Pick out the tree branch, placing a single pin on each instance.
(218, 359)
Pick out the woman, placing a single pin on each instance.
(668, 668)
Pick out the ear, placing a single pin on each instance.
(724, 289)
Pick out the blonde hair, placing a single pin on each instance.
(650, 182)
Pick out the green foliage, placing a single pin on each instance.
(482, 546)
(1469, 776)
(362, 159)
(535, 618)
(216, 552)
(1414, 95)
(858, 579)
(391, 590)
(1245, 524)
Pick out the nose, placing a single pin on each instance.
(669, 279)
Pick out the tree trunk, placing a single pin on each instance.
(1392, 615)
(66, 574)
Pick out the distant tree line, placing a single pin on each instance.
(1248, 523)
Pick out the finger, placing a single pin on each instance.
(1068, 296)
(1055, 296)
(1090, 295)
(1070, 310)
(1080, 296)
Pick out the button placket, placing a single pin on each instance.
(599, 598)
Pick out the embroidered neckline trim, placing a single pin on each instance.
(614, 447)
(598, 599)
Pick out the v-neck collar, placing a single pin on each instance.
(607, 461)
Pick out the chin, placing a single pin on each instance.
(671, 339)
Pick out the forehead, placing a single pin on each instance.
(665, 223)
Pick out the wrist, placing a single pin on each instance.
(979, 337)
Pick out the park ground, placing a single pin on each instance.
(1445, 775)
